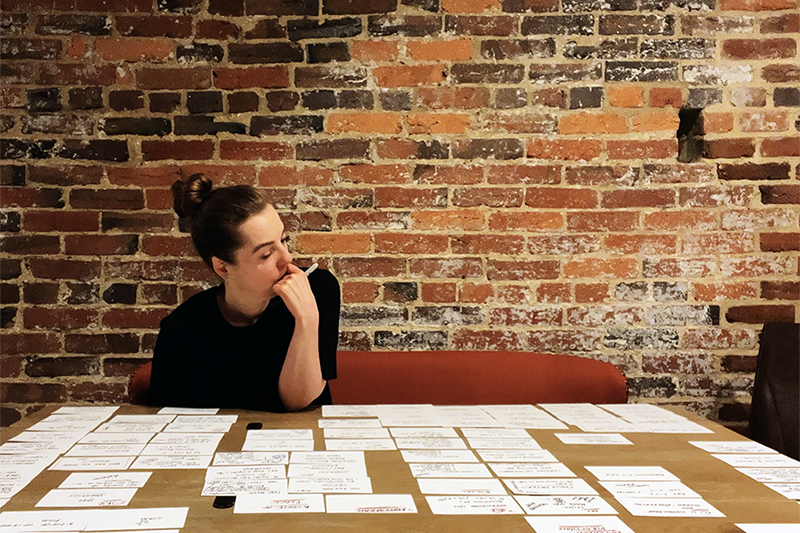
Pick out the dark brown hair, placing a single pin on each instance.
(216, 214)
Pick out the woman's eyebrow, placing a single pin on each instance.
(262, 245)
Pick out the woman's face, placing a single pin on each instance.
(263, 258)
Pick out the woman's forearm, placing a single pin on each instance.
(301, 382)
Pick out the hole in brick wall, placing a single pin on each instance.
(690, 135)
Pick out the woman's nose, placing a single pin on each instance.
(286, 255)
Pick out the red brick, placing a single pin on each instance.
(676, 220)
(382, 123)
(584, 122)
(489, 340)
(163, 176)
(442, 175)
(29, 343)
(410, 197)
(601, 268)
(123, 199)
(359, 292)
(568, 149)
(679, 268)
(101, 244)
(554, 293)
(758, 48)
(340, 243)
(10, 367)
(759, 121)
(757, 266)
(455, 267)
(42, 268)
(174, 78)
(717, 122)
(780, 290)
(327, 197)
(779, 242)
(60, 318)
(657, 149)
(487, 244)
(564, 341)
(66, 175)
(603, 221)
(560, 197)
(273, 77)
(61, 221)
(436, 97)
(285, 176)
(596, 175)
(656, 121)
(761, 314)
(523, 174)
(159, 199)
(730, 242)
(408, 76)
(254, 151)
(410, 243)
(375, 220)
(375, 174)
(514, 122)
(625, 96)
(781, 147)
(666, 96)
(680, 173)
(449, 219)
(471, 97)
(90, 391)
(134, 318)
(370, 267)
(32, 393)
(138, 222)
(437, 50)
(513, 294)
(713, 196)
(649, 244)
(715, 292)
(757, 5)
(217, 30)
(487, 196)
(639, 198)
(375, 50)
(525, 221)
(591, 292)
(476, 293)
(438, 292)
(438, 123)
(180, 149)
(29, 197)
(522, 270)
(716, 338)
(133, 49)
(470, 6)
(515, 316)
(30, 244)
(729, 148)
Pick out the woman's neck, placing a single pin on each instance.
(238, 311)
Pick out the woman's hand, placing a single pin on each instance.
(295, 291)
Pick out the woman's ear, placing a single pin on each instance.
(220, 267)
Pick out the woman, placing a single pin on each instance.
(264, 339)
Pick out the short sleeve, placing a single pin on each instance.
(326, 290)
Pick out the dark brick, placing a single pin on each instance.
(753, 171)
(51, 367)
(9, 221)
(411, 340)
(739, 363)
(641, 71)
(282, 7)
(607, 49)
(780, 290)
(580, 6)
(137, 222)
(692, 5)
(585, 97)
(447, 315)
(529, 6)
(66, 175)
(282, 100)
(352, 315)
(95, 149)
(22, 73)
(786, 97)
(337, 77)
(21, 48)
(728, 148)
(9, 293)
(702, 98)
(333, 149)
(496, 26)
(120, 293)
(200, 52)
(429, 150)
(86, 98)
(426, 5)
(135, 126)
(510, 98)
(665, 291)
(400, 292)
(33, 393)
(558, 25)
(266, 29)
(228, 8)
(327, 52)
(637, 25)
(68, 124)
(17, 149)
(396, 100)
(7, 123)
(356, 100)
(327, 29)
(126, 100)
(176, 27)
(565, 72)
(354, 340)
(7, 316)
(322, 99)
(772, 242)
(98, 344)
(780, 194)
(82, 293)
(641, 339)
(358, 7)
(486, 73)
(409, 26)
(243, 102)
(198, 125)
(44, 100)
(781, 73)
(179, 6)
(646, 387)
(30, 244)
(13, 23)
(518, 48)
(678, 49)
(218, 30)
(10, 268)
(40, 293)
(735, 412)
(760, 314)
(13, 175)
(71, 24)
(122, 366)
(164, 102)
(203, 102)
(488, 149)
(250, 54)
(289, 125)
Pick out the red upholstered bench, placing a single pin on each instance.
(463, 378)
(459, 378)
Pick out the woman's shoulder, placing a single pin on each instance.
(195, 307)
(323, 281)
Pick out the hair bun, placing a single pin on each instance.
(190, 194)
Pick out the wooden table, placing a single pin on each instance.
(739, 498)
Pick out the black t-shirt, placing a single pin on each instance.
(201, 360)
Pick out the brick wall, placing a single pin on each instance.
(479, 174)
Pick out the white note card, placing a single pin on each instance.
(466, 487)
(627, 473)
(761, 460)
(449, 470)
(555, 486)
(92, 463)
(279, 503)
(606, 524)
(138, 519)
(87, 498)
(439, 456)
(250, 458)
(768, 528)
(683, 507)
(531, 470)
(565, 505)
(107, 480)
(595, 438)
(732, 446)
(157, 462)
(370, 503)
(649, 489)
(348, 485)
(468, 505)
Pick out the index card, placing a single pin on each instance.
(107, 480)
(430, 444)
(137, 519)
(285, 445)
(104, 450)
(597, 438)
(116, 438)
(283, 503)
(356, 457)
(188, 411)
(49, 424)
(631, 411)
(607, 426)
(649, 489)
(142, 419)
(198, 427)
(768, 528)
(732, 446)
(217, 473)
(790, 490)
(531, 470)
(772, 475)
(764, 460)
(517, 456)
(131, 427)
(280, 434)
(424, 433)
(504, 444)
(187, 438)
(327, 470)
(330, 485)
(92, 463)
(233, 487)
(174, 449)
(250, 458)
(370, 503)
(359, 444)
(87, 498)
(21, 521)
(356, 433)
(480, 486)
(349, 411)
(48, 436)
(560, 524)
(439, 456)
(25, 448)
(349, 423)
(449, 470)
(695, 507)
(465, 416)
(670, 426)
(548, 487)
(466, 505)
(98, 410)
(631, 473)
(496, 433)
(566, 505)
(162, 462)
